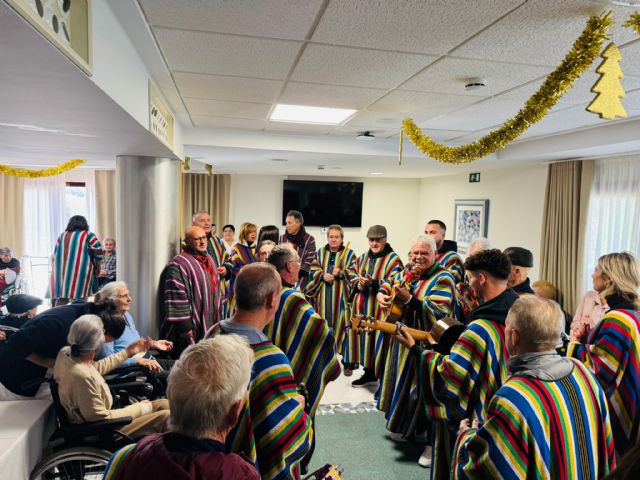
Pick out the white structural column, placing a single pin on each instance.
(148, 236)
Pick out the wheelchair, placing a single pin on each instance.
(82, 451)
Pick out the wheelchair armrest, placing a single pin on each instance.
(95, 428)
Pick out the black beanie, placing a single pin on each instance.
(22, 303)
(520, 257)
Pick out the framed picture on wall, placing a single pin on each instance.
(471, 221)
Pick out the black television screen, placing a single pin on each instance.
(324, 203)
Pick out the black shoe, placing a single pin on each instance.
(368, 378)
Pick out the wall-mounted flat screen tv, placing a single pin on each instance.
(324, 203)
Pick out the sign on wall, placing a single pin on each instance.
(160, 118)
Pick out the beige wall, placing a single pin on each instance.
(391, 202)
(516, 202)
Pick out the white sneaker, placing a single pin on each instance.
(397, 437)
(425, 458)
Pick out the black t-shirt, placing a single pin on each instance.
(45, 335)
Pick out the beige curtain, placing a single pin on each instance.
(565, 206)
(105, 203)
(12, 214)
(201, 191)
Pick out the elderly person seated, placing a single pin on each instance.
(207, 391)
(118, 293)
(264, 250)
(84, 394)
(21, 307)
(9, 269)
(549, 419)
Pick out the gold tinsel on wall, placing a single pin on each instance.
(46, 172)
(582, 54)
(633, 22)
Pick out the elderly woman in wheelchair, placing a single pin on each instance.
(82, 390)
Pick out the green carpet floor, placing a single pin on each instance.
(358, 443)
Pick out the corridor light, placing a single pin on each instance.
(312, 115)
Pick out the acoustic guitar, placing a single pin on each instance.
(397, 308)
(441, 337)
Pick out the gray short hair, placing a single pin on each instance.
(109, 238)
(539, 321)
(109, 292)
(480, 244)
(336, 227)
(426, 240)
(6, 250)
(297, 215)
(254, 283)
(195, 215)
(204, 384)
(281, 255)
(85, 335)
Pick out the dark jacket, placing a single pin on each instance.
(174, 456)
(495, 309)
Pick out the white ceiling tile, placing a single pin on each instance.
(540, 32)
(407, 25)
(376, 120)
(218, 87)
(286, 19)
(632, 102)
(357, 67)
(298, 128)
(201, 121)
(218, 108)
(423, 104)
(476, 117)
(329, 95)
(563, 120)
(450, 74)
(226, 54)
(468, 137)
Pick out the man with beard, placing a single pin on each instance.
(379, 264)
(191, 293)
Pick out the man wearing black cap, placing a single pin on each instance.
(379, 264)
(21, 307)
(521, 263)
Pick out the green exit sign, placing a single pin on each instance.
(474, 177)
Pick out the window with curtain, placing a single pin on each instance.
(614, 211)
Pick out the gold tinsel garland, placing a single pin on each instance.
(633, 22)
(585, 49)
(47, 172)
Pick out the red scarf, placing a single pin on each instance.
(206, 263)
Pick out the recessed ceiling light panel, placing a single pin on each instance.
(311, 115)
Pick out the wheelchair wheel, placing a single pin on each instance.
(72, 464)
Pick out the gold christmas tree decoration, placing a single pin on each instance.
(608, 88)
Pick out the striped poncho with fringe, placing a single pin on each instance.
(399, 396)
(75, 258)
(273, 430)
(305, 339)
(612, 353)
(541, 429)
(330, 300)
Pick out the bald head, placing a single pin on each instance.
(196, 239)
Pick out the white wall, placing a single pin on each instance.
(390, 202)
(516, 202)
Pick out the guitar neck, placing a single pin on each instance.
(391, 328)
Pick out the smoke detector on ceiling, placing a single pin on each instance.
(367, 136)
(475, 83)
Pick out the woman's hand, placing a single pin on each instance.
(138, 346)
(149, 363)
(580, 333)
(162, 345)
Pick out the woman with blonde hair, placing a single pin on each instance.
(243, 253)
(612, 348)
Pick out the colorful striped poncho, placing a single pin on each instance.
(432, 300)
(217, 250)
(189, 298)
(75, 259)
(452, 262)
(273, 429)
(331, 299)
(305, 339)
(612, 352)
(241, 255)
(370, 349)
(541, 429)
(461, 384)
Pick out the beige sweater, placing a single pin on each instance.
(84, 392)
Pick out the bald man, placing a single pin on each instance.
(191, 293)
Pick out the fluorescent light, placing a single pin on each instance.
(376, 173)
(306, 114)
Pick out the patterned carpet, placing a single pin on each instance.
(353, 436)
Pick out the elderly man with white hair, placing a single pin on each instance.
(207, 392)
(84, 393)
(549, 419)
(427, 291)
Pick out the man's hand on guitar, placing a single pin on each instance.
(384, 301)
(328, 277)
(402, 294)
(404, 338)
